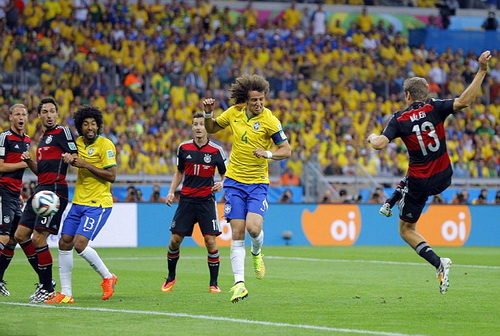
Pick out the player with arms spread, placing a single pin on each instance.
(421, 127)
(255, 129)
(13, 143)
(196, 161)
(51, 171)
(92, 203)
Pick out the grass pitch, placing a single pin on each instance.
(306, 291)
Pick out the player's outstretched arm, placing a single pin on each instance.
(210, 124)
(377, 142)
(471, 91)
(33, 166)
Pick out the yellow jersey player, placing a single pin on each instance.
(255, 130)
(92, 202)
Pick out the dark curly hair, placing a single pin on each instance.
(246, 83)
(88, 111)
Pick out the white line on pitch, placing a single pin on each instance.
(214, 318)
(382, 262)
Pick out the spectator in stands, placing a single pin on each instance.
(437, 199)
(286, 197)
(289, 178)
(491, 22)
(318, 20)
(327, 197)
(132, 195)
(461, 197)
(482, 198)
(332, 167)
(156, 195)
(343, 197)
(497, 198)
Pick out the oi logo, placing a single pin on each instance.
(445, 225)
(332, 224)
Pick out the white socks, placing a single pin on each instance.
(257, 243)
(65, 269)
(238, 254)
(96, 262)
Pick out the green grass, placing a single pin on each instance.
(363, 296)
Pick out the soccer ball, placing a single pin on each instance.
(45, 203)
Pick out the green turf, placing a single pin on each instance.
(360, 295)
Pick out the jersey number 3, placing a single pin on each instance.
(431, 131)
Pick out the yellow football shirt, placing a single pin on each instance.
(90, 189)
(249, 134)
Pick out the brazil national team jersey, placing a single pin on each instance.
(249, 134)
(92, 190)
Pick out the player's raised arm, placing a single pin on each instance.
(471, 91)
(208, 108)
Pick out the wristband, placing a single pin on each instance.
(208, 115)
(269, 154)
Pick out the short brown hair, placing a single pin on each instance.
(417, 87)
(246, 83)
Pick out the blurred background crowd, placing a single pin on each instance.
(148, 65)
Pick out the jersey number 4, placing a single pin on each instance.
(431, 131)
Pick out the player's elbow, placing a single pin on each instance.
(460, 104)
(288, 153)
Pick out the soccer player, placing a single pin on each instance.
(421, 127)
(255, 129)
(196, 160)
(51, 171)
(92, 203)
(13, 143)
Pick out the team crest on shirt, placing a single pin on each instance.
(6, 219)
(256, 126)
(49, 139)
(227, 208)
(207, 158)
(91, 151)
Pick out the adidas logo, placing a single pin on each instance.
(409, 215)
(189, 156)
(16, 146)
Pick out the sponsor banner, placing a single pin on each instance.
(120, 229)
(332, 224)
(338, 225)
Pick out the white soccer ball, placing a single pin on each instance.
(45, 203)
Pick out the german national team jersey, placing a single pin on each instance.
(12, 145)
(250, 133)
(90, 189)
(421, 127)
(51, 167)
(198, 165)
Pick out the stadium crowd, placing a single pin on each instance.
(147, 67)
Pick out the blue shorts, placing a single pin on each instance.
(85, 220)
(242, 198)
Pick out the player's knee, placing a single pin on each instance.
(210, 242)
(39, 240)
(65, 245)
(20, 236)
